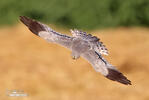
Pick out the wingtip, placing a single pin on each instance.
(20, 17)
(23, 19)
(118, 76)
(34, 26)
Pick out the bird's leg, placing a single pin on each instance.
(75, 55)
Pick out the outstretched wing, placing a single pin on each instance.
(46, 32)
(106, 69)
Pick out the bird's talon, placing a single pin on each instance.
(73, 57)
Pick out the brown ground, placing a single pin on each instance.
(46, 71)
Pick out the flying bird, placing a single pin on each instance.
(81, 44)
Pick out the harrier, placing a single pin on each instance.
(81, 44)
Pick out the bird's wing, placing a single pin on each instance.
(46, 32)
(106, 69)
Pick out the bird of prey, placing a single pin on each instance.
(81, 44)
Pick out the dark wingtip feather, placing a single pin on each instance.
(33, 25)
(117, 76)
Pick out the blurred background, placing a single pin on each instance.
(46, 71)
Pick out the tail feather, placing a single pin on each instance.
(117, 76)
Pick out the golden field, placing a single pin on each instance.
(46, 71)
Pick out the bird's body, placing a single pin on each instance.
(81, 44)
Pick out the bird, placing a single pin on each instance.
(82, 45)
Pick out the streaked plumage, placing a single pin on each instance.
(81, 44)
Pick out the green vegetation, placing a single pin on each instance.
(85, 14)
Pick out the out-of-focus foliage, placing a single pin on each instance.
(78, 13)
